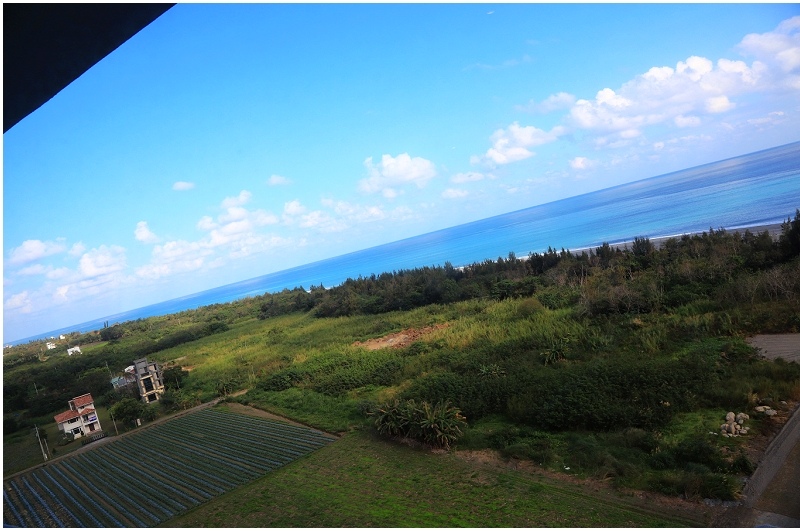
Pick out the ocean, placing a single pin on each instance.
(751, 190)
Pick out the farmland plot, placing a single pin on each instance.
(151, 476)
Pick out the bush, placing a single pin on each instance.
(438, 425)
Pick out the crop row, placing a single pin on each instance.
(153, 475)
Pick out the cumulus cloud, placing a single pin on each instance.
(454, 193)
(182, 186)
(19, 302)
(32, 250)
(468, 177)
(294, 208)
(511, 144)
(719, 104)
(77, 249)
(392, 173)
(554, 102)
(278, 180)
(144, 234)
(581, 163)
(771, 118)
(234, 233)
(103, 260)
(694, 88)
(780, 47)
(35, 269)
(242, 199)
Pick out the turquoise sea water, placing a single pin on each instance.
(756, 189)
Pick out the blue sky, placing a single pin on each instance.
(225, 142)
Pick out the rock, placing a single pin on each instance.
(770, 412)
(761, 409)
(730, 416)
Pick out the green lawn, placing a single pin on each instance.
(362, 481)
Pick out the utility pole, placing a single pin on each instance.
(115, 423)
(44, 454)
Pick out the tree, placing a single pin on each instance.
(790, 238)
(127, 411)
(111, 333)
(174, 377)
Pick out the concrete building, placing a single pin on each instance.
(74, 350)
(149, 380)
(80, 419)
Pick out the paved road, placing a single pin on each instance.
(772, 494)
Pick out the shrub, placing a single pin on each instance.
(438, 425)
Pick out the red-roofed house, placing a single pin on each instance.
(80, 418)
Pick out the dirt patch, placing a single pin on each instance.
(773, 346)
(399, 339)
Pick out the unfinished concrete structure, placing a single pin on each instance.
(149, 380)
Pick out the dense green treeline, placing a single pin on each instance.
(614, 355)
(603, 281)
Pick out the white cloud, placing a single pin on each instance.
(182, 186)
(241, 199)
(460, 178)
(696, 88)
(780, 47)
(511, 144)
(206, 223)
(454, 193)
(581, 163)
(687, 121)
(719, 104)
(58, 273)
(394, 172)
(77, 249)
(554, 102)
(20, 302)
(33, 270)
(278, 180)
(31, 250)
(294, 208)
(103, 260)
(771, 118)
(144, 234)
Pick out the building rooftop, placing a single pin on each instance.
(83, 400)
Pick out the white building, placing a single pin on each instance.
(80, 419)
(50, 345)
(74, 350)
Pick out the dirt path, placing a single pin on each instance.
(772, 346)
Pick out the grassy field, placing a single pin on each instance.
(362, 481)
(25, 449)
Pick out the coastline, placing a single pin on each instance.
(774, 230)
